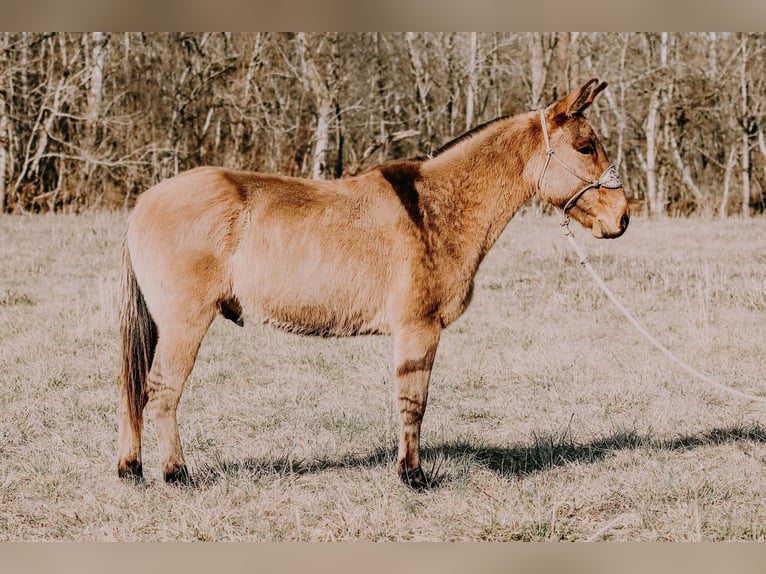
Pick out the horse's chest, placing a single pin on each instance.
(455, 301)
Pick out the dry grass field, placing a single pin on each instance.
(548, 419)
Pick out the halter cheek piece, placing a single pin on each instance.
(610, 179)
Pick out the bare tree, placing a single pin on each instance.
(420, 70)
(472, 74)
(541, 49)
(746, 123)
(250, 62)
(98, 42)
(655, 194)
(321, 83)
(3, 149)
(731, 161)
(90, 120)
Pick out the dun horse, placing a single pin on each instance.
(391, 251)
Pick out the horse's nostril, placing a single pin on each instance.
(624, 220)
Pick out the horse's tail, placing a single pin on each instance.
(138, 333)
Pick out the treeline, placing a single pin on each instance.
(88, 121)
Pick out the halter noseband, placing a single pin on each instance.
(610, 179)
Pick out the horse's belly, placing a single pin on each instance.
(319, 312)
(327, 299)
(319, 320)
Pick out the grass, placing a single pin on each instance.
(549, 418)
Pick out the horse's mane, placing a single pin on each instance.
(464, 136)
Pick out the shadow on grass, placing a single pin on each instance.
(442, 463)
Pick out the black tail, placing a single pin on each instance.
(138, 332)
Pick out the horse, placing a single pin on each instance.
(391, 251)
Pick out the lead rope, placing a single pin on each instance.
(641, 329)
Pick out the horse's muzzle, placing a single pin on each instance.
(603, 230)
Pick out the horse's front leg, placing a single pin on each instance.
(414, 351)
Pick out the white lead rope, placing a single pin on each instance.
(641, 329)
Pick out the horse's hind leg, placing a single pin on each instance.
(174, 358)
(414, 351)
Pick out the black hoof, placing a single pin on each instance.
(131, 471)
(416, 479)
(179, 475)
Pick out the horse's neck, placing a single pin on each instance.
(474, 189)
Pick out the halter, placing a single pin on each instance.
(610, 179)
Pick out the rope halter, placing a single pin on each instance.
(610, 179)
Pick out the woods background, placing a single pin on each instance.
(88, 121)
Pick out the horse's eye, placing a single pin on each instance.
(586, 150)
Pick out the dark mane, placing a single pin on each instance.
(462, 137)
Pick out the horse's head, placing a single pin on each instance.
(577, 175)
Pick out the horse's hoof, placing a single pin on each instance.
(179, 475)
(415, 478)
(130, 470)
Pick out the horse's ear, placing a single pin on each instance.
(576, 102)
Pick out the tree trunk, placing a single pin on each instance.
(453, 85)
(686, 174)
(382, 109)
(562, 70)
(664, 49)
(618, 109)
(98, 49)
(654, 194)
(538, 62)
(728, 169)
(712, 54)
(422, 87)
(493, 78)
(540, 59)
(3, 150)
(47, 127)
(670, 138)
(98, 42)
(338, 172)
(472, 74)
(745, 175)
(745, 135)
(24, 53)
(250, 62)
(319, 86)
(321, 141)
